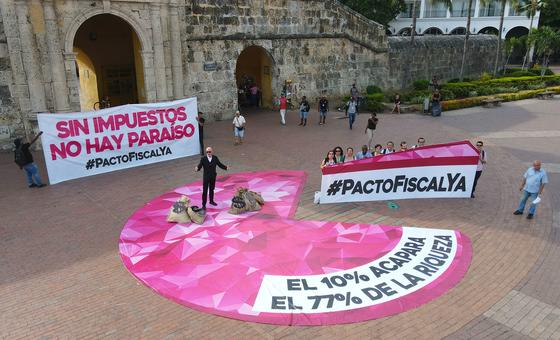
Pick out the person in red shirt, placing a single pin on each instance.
(283, 106)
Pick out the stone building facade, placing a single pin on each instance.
(184, 48)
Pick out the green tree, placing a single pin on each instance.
(550, 15)
(510, 45)
(465, 45)
(381, 11)
(531, 7)
(501, 27)
(546, 41)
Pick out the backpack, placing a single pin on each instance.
(19, 157)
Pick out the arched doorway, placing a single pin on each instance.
(458, 31)
(109, 63)
(433, 31)
(489, 30)
(254, 67)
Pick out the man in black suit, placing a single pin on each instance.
(209, 163)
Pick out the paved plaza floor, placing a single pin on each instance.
(61, 275)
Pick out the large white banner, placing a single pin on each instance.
(452, 181)
(89, 143)
(420, 258)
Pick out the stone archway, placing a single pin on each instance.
(143, 54)
(254, 66)
(113, 49)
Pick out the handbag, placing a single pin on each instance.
(239, 128)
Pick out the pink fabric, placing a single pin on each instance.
(217, 267)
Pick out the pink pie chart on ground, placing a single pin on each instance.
(267, 267)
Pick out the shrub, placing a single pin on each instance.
(417, 100)
(521, 74)
(474, 101)
(536, 86)
(375, 97)
(485, 76)
(375, 106)
(446, 94)
(420, 84)
(460, 90)
(371, 89)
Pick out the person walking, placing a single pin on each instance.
(24, 159)
(397, 106)
(355, 93)
(352, 110)
(283, 107)
(532, 186)
(254, 91)
(238, 128)
(371, 126)
(480, 166)
(209, 163)
(303, 111)
(436, 104)
(200, 119)
(323, 110)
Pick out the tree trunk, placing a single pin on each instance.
(498, 50)
(469, 7)
(529, 48)
(413, 30)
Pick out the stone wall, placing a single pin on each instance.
(10, 120)
(439, 55)
(320, 45)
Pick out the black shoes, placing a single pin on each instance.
(37, 186)
(213, 203)
(529, 216)
(517, 212)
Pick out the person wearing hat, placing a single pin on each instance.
(24, 159)
(238, 128)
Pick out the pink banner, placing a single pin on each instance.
(266, 267)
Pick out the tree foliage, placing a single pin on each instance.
(550, 15)
(381, 11)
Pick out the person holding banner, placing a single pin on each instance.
(389, 149)
(329, 160)
(479, 166)
(209, 163)
(532, 186)
(24, 158)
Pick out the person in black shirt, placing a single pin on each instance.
(323, 109)
(201, 121)
(209, 163)
(24, 159)
(371, 125)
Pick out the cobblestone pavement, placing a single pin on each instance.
(61, 275)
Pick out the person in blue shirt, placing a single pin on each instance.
(364, 153)
(532, 186)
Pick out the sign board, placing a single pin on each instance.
(436, 171)
(89, 143)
